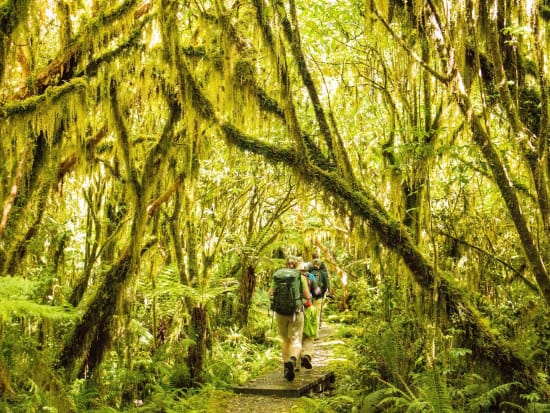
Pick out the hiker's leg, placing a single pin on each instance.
(318, 303)
(307, 346)
(292, 343)
(285, 347)
(295, 331)
(307, 352)
(283, 327)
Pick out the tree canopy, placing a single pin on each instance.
(191, 145)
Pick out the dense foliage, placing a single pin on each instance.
(159, 159)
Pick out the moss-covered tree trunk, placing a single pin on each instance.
(246, 289)
(6, 389)
(197, 350)
(94, 333)
(92, 336)
(396, 237)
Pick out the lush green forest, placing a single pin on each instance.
(160, 159)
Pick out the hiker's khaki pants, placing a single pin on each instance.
(318, 303)
(307, 346)
(290, 328)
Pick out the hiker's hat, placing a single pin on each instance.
(302, 266)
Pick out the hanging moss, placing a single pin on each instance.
(51, 95)
(12, 14)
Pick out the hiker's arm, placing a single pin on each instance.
(305, 289)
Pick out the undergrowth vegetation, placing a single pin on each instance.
(385, 356)
(399, 364)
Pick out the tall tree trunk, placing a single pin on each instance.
(197, 350)
(247, 287)
(92, 336)
(19, 209)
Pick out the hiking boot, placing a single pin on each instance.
(306, 361)
(289, 369)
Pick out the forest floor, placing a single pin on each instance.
(250, 403)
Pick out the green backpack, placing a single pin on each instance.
(287, 292)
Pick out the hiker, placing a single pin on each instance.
(289, 282)
(311, 326)
(319, 270)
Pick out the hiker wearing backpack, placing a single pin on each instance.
(319, 270)
(289, 291)
(311, 326)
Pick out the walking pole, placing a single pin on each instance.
(321, 310)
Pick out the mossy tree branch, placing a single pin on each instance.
(50, 95)
(12, 14)
(396, 237)
(62, 68)
(483, 140)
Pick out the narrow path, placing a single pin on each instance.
(247, 403)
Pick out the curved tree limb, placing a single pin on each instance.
(52, 94)
(517, 273)
(62, 67)
(153, 207)
(279, 59)
(395, 236)
(442, 78)
(333, 141)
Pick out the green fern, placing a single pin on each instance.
(373, 400)
(434, 390)
(488, 399)
(13, 288)
(538, 408)
(16, 300)
(29, 309)
(534, 405)
(168, 284)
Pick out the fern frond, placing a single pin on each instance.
(437, 391)
(374, 399)
(419, 406)
(519, 408)
(26, 308)
(168, 283)
(488, 399)
(539, 407)
(13, 288)
(205, 294)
